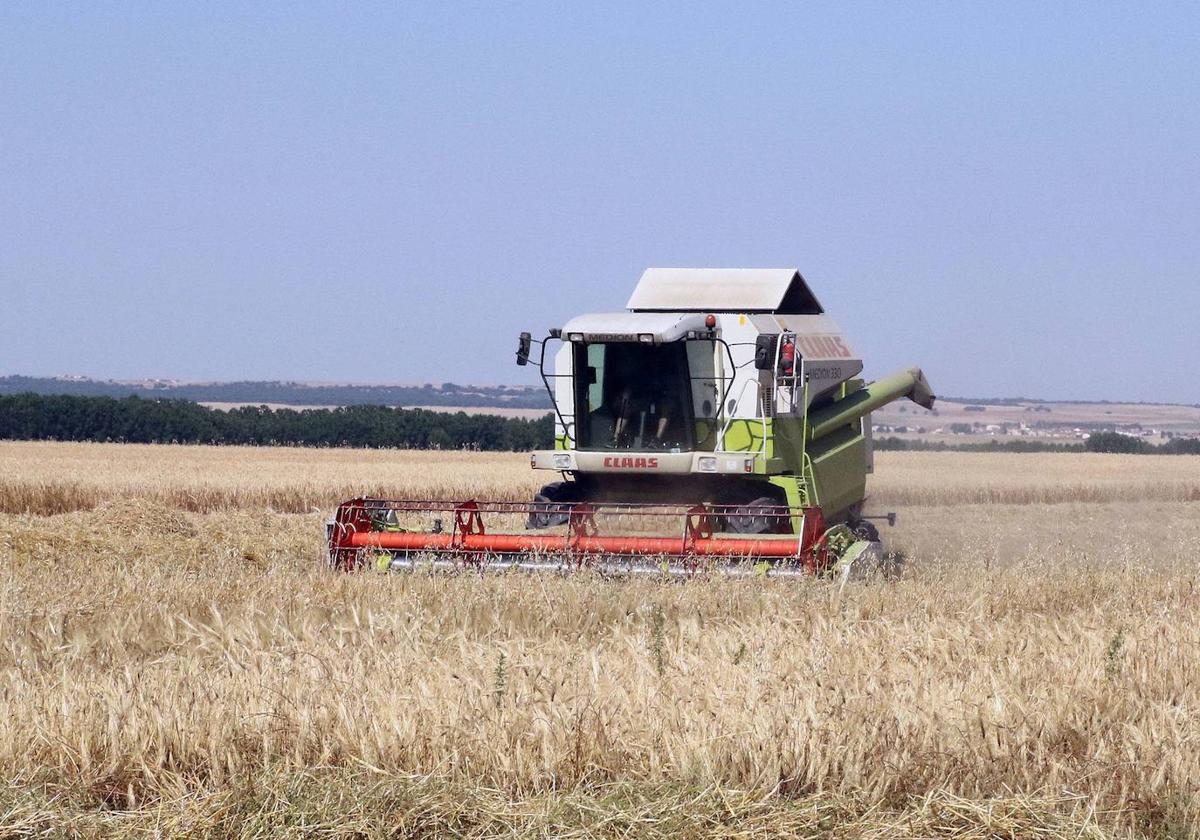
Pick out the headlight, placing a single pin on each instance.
(562, 461)
(707, 464)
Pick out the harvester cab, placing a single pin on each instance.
(723, 386)
(724, 406)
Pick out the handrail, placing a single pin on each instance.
(568, 428)
(759, 415)
(729, 420)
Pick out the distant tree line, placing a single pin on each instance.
(1096, 442)
(1032, 401)
(1117, 442)
(290, 393)
(137, 420)
(895, 444)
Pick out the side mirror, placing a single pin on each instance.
(523, 345)
(764, 351)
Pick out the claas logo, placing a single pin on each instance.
(823, 346)
(628, 463)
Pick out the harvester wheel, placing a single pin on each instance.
(551, 505)
(865, 530)
(892, 567)
(754, 518)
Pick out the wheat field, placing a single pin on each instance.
(175, 661)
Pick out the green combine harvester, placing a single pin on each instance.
(718, 425)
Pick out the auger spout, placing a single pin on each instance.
(909, 383)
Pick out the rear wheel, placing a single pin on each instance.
(892, 567)
(875, 565)
(865, 530)
(551, 505)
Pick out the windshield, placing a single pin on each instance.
(639, 396)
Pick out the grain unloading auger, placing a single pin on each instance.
(717, 426)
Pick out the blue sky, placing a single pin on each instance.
(1007, 194)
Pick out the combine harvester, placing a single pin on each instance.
(716, 427)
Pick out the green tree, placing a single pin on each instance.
(1116, 442)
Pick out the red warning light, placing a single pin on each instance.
(787, 357)
(710, 321)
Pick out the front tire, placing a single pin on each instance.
(764, 515)
(551, 505)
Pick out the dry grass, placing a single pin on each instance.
(197, 672)
(366, 805)
(50, 478)
(953, 478)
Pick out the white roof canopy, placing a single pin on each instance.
(775, 290)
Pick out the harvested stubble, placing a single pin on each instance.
(1033, 676)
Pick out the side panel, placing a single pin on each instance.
(788, 434)
(740, 333)
(795, 495)
(704, 370)
(747, 436)
(564, 396)
(826, 374)
(839, 476)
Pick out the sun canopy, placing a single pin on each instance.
(774, 290)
